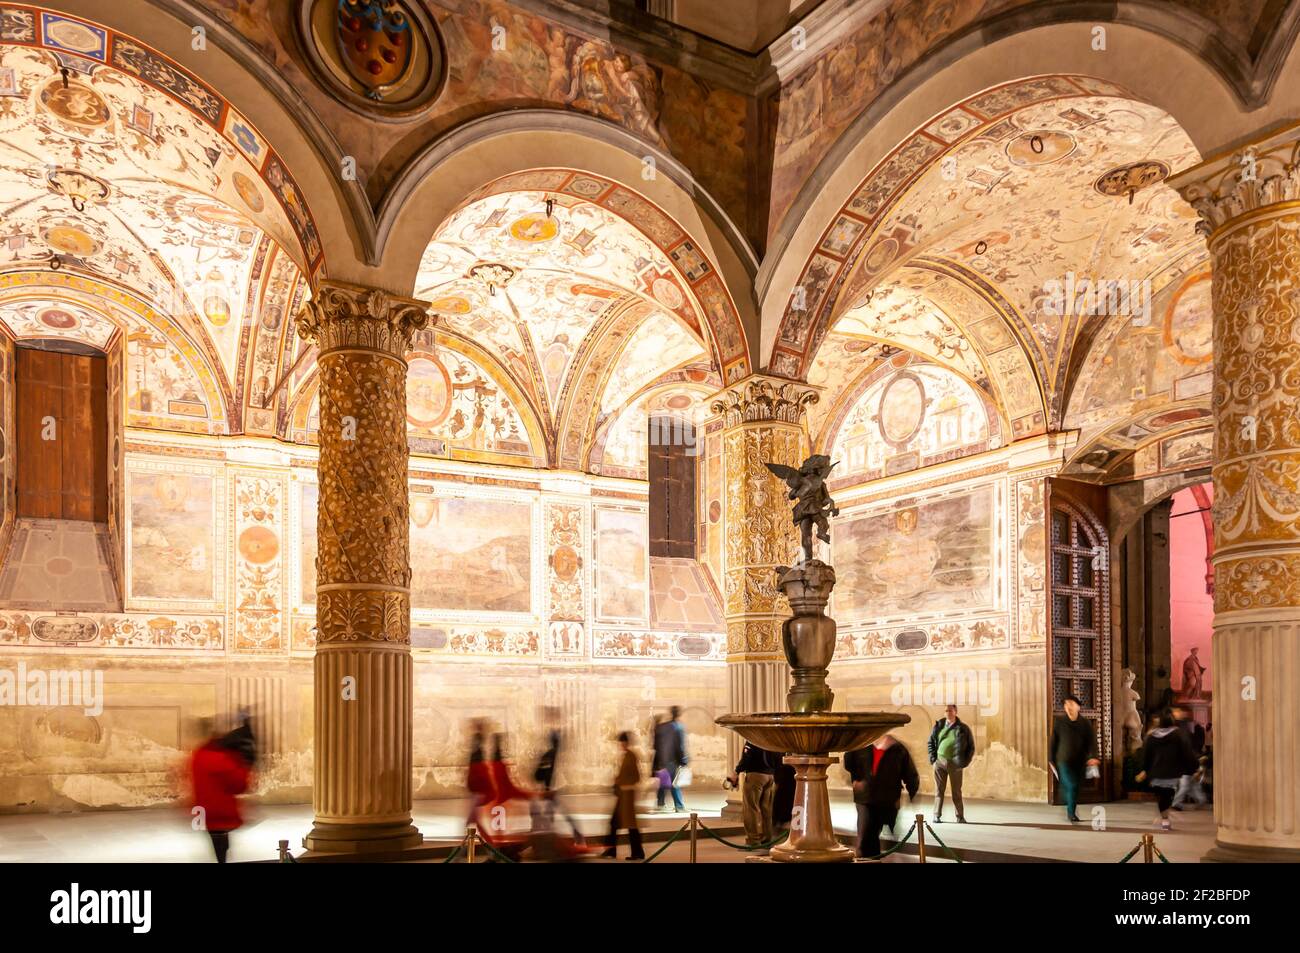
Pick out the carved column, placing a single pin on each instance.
(762, 423)
(363, 684)
(1249, 203)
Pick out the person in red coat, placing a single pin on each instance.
(220, 773)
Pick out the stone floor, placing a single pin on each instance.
(997, 831)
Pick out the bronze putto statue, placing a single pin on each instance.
(808, 485)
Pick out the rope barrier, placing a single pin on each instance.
(493, 851)
(668, 843)
(1163, 858)
(722, 840)
(951, 852)
(897, 844)
(1129, 856)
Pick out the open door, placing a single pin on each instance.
(1078, 633)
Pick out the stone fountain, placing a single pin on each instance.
(809, 731)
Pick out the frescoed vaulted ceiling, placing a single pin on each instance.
(110, 182)
(988, 263)
(540, 278)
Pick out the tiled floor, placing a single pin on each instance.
(58, 564)
(1013, 830)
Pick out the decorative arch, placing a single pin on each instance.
(500, 152)
(124, 308)
(930, 410)
(428, 435)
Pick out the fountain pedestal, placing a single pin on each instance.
(810, 731)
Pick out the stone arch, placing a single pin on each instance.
(650, 189)
(1149, 65)
(236, 86)
(121, 307)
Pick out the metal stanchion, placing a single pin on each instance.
(471, 839)
(920, 836)
(1148, 843)
(695, 832)
(285, 856)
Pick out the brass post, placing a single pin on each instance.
(1148, 842)
(920, 836)
(471, 840)
(695, 829)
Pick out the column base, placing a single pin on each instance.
(1222, 853)
(361, 838)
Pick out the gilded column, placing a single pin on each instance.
(762, 423)
(363, 676)
(1249, 203)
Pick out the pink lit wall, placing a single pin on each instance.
(1191, 608)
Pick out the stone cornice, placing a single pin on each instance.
(342, 315)
(759, 398)
(1250, 178)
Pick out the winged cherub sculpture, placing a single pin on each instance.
(808, 485)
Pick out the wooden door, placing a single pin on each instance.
(62, 466)
(671, 456)
(1079, 621)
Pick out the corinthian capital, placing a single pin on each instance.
(761, 398)
(341, 315)
(1253, 178)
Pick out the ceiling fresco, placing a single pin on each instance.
(162, 194)
(539, 278)
(1034, 251)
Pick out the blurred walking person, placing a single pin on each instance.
(757, 790)
(1072, 749)
(547, 804)
(220, 770)
(880, 773)
(670, 760)
(625, 785)
(1167, 756)
(1189, 785)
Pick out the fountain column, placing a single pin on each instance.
(1249, 204)
(762, 422)
(361, 791)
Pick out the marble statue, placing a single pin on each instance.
(1192, 673)
(1126, 711)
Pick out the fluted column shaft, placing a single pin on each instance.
(762, 423)
(1249, 204)
(363, 675)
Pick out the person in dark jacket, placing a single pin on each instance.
(879, 774)
(1167, 756)
(669, 759)
(547, 804)
(952, 746)
(1073, 747)
(757, 791)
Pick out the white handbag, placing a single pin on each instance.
(683, 778)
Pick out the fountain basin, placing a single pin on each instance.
(806, 739)
(813, 733)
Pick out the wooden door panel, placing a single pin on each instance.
(39, 384)
(1079, 618)
(62, 466)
